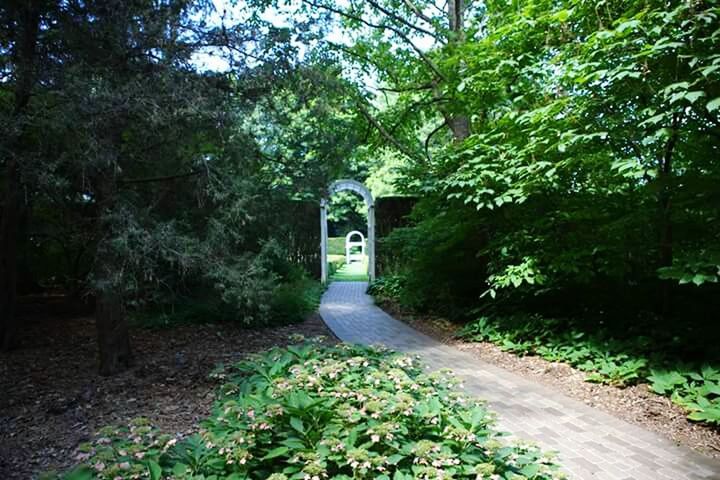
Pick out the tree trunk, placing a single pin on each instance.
(113, 335)
(110, 319)
(459, 124)
(25, 50)
(9, 231)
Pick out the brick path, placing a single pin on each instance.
(591, 443)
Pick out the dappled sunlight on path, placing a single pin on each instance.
(591, 443)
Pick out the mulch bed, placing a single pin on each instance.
(635, 404)
(53, 399)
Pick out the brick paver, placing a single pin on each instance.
(591, 444)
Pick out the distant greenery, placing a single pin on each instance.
(612, 356)
(336, 246)
(311, 411)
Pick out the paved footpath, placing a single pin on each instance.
(591, 444)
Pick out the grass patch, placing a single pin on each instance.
(355, 272)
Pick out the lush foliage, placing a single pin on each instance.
(138, 176)
(311, 412)
(564, 156)
(620, 361)
(386, 288)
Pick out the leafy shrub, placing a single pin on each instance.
(604, 358)
(335, 262)
(439, 259)
(321, 412)
(388, 287)
(203, 307)
(292, 302)
(698, 392)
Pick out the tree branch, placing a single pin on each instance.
(381, 26)
(352, 53)
(385, 133)
(411, 108)
(411, 88)
(430, 135)
(399, 19)
(191, 173)
(417, 11)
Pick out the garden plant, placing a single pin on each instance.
(313, 411)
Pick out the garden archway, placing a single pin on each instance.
(357, 187)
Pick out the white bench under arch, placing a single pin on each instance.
(349, 244)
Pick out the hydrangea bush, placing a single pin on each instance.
(316, 412)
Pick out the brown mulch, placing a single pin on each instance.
(53, 399)
(635, 404)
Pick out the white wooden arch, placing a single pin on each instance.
(357, 187)
(350, 243)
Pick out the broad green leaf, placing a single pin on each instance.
(713, 105)
(154, 470)
(276, 452)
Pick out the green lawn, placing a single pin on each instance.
(355, 272)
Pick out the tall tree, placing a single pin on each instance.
(22, 30)
(403, 46)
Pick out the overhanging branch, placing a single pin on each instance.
(162, 179)
(385, 134)
(382, 26)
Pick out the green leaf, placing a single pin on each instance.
(713, 105)
(154, 470)
(80, 473)
(276, 452)
(297, 424)
(530, 470)
(692, 97)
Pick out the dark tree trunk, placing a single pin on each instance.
(9, 231)
(113, 335)
(24, 58)
(110, 319)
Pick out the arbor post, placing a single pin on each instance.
(323, 241)
(371, 241)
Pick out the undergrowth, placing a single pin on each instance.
(315, 412)
(289, 303)
(607, 359)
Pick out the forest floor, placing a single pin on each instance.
(636, 404)
(53, 399)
